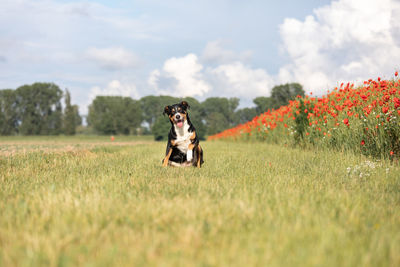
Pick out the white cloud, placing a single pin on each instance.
(242, 81)
(114, 88)
(185, 76)
(113, 58)
(180, 76)
(215, 53)
(348, 40)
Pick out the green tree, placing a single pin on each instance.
(161, 128)
(225, 108)
(69, 119)
(216, 122)
(78, 118)
(115, 115)
(281, 94)
(246, 114)
(263, 104)
(39, 109)
(8, 112)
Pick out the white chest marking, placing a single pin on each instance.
(183, 137)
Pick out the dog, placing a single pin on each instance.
(183, 148)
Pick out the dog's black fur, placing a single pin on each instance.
(182, 138)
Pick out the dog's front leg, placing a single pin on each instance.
(189, 154)
(166, 159)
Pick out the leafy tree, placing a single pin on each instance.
(39, 109)
(69, 119)
(263, 104)
(281, 94)
(216, 122)
(246, 114)
(161, 128)
(8, 112)
(225, 107)
(78, 118)
(115, 115)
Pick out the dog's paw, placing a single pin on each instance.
(189, 155)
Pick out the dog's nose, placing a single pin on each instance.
(178, 116)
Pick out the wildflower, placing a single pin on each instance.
(362, 142)
(396, 73)
(385, 109)
(346, 121)
(391, 153)
(396, 102)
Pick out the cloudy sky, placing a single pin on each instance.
(205, 48)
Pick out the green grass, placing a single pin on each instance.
(103, 203)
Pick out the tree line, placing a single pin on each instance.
(37, 110)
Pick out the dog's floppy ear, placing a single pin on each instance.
(185, 104)
(167, 110)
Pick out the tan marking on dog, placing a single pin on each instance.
(193, 135)
(166, 159)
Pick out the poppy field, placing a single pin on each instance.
(363, 119)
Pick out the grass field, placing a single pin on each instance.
(91, 202)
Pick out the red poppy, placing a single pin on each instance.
(346, 121)
(362, 142)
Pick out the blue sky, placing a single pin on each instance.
(227, 48)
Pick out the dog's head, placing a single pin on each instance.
(177, 113)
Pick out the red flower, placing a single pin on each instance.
(346, 121)
(396, 73)
(362, 142)
(385, 109)
(396, 102)
(391, 153)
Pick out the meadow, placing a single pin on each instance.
(90, 201)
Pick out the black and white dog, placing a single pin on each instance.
(183, 147)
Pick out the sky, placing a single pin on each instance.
(226, 48)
